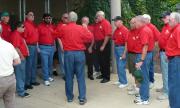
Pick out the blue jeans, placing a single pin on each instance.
(20, 77)
(151, 70)
(144, 86)
(47, 53)
(174, 82)
(61, 60)
(31, 65)
(164, 69)
(74, 62)
(121, 64)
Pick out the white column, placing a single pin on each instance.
(46, 6)
(115, 11)
(20, 10)
(24, 9)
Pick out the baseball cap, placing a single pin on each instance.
(164, 14)
(5, 13)
(117, 18)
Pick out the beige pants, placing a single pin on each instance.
(7, 90)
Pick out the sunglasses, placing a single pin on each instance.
(65, 17)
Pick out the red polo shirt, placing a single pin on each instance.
(131, 41)
(155, 31)
(102, 29)
(173, 44)
(31, 33)
(165, 33)
(46, 34)
(120, 35)
(74, 37)
(59, 26)
(156, 35)
(6, 32)
(144, 37)
(19, 42)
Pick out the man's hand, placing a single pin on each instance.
(139, 64)
(90, 50)
(102, 48)
(123, 56)
(38, 50)
(22, 57)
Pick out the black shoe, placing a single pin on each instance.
(99, 77)
(82, 102)
(28, 87)
(104, 81)
(25, 95)
(35, 84)
(55, 73)
(91, 77)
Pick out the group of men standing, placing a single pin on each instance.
(138, 43)
(134, 46)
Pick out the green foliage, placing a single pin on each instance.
(130, 8)
(90, 7)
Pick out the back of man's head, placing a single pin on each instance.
(73, 17)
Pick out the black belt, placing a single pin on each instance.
(32, 44)
(46, 45)
(119, 45)
(162, 50)
(171, 57)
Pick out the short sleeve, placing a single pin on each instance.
(107, 28)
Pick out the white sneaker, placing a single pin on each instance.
(116, 83)
(141, 102)
(51, 79)
(95, 73)
(46, 83)
(163, 96)
(159, 90)
(151, 85)
(123, 85)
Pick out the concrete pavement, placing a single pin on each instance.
(98, 95)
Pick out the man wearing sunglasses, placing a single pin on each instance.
(31, 38)
(64, 21)
(19, 43)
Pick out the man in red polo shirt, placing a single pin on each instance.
(102, 35)
(20, 70)
(89, 49)
(64, 21)
(165, 33)
(143, 58)
(120, 39)
(31, 37)
(156, 35)
(74, 37)
(6, 27)
(173, 53)
(131, 44)
(47, 47)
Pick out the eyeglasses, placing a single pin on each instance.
(47, 18)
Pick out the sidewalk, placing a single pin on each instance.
(98, 95)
